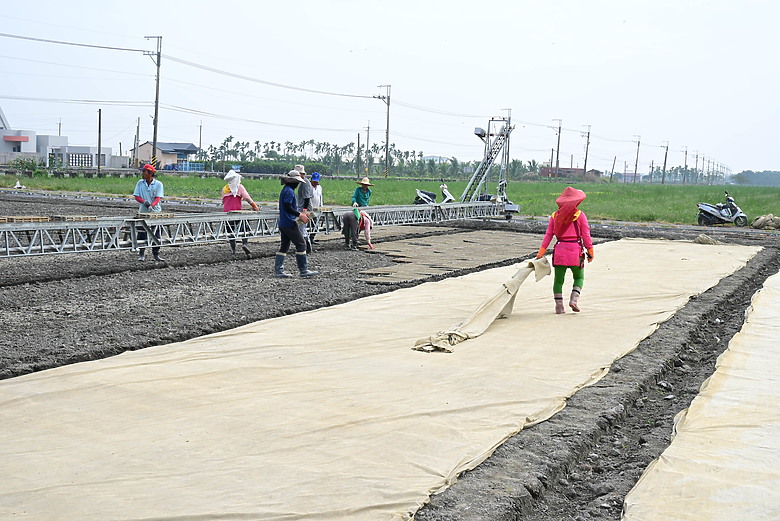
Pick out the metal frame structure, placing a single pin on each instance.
(498, 145)
(120, 233)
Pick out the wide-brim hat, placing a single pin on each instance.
(364, 181)
(300, 168)
(293, 176)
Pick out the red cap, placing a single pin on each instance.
(149, 167)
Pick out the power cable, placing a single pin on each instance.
(70, 43)
(75, 66)
(256, 80)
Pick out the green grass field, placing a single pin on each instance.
(609, 201)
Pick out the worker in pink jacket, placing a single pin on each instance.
(353, 222)
(233, 196)
(573, 244)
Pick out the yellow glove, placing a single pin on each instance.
(590, 254)
(541, 253)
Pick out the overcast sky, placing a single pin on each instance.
(702, 76)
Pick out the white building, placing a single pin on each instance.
(50, 149)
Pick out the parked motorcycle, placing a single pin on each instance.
(425, 197)
(721, 213)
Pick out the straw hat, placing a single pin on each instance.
(364, 181)
(293, 176)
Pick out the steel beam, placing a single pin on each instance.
(120, 233)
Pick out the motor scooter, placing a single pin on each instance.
(721, 213)
(425, 197)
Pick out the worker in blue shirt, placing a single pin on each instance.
(149, 192)
(289, 220)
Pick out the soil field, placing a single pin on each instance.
(61, 309)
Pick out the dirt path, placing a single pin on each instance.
(577, 465)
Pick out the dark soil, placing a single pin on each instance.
(61, 309)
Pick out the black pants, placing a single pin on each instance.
(292, 235)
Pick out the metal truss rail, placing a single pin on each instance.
(120, 233)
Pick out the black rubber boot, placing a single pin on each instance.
(245, 247)
(303, 265)
(232, 247)
(279, 267)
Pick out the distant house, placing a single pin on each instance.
(169, 155)
(550, 171)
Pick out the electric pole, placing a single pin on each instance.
(587, 144)
(636, 164)
(100, 139)
(552, 153)
(666, 153)
(156, 95)
(368, 136)
(685, 167)
(357, 159)
(612, 172)
(386, 99)
(558, 149)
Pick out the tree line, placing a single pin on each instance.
(275, 157)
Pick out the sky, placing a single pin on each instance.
(663, 77)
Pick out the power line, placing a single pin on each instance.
(70, 43)
(74, 66)
(256, 80)
(82, 101)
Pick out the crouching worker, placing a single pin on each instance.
(570, 227)
(288, 227)
(233, 195)
(354, 221)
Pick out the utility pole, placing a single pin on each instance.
(587, 144)
(636, 164)
(685, 167)
(357, 159)
(552, 153)
(703, 172)
(368, 136)
(135, 148)
(386, 99)
(100, 139)
(666, 153)
(612, 172)
(200, 137)
(59, 128)
(156, 95)
(558, 149)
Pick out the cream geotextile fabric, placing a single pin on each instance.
(498, 305)
(328, 414)
(724, 461)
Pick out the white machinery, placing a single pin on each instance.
(496, 140)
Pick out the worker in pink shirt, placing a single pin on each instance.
(233, 196)
(354, 221)
(572, 232)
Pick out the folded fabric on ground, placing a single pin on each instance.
(498, 305)
(724, 461)
(328, 414)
